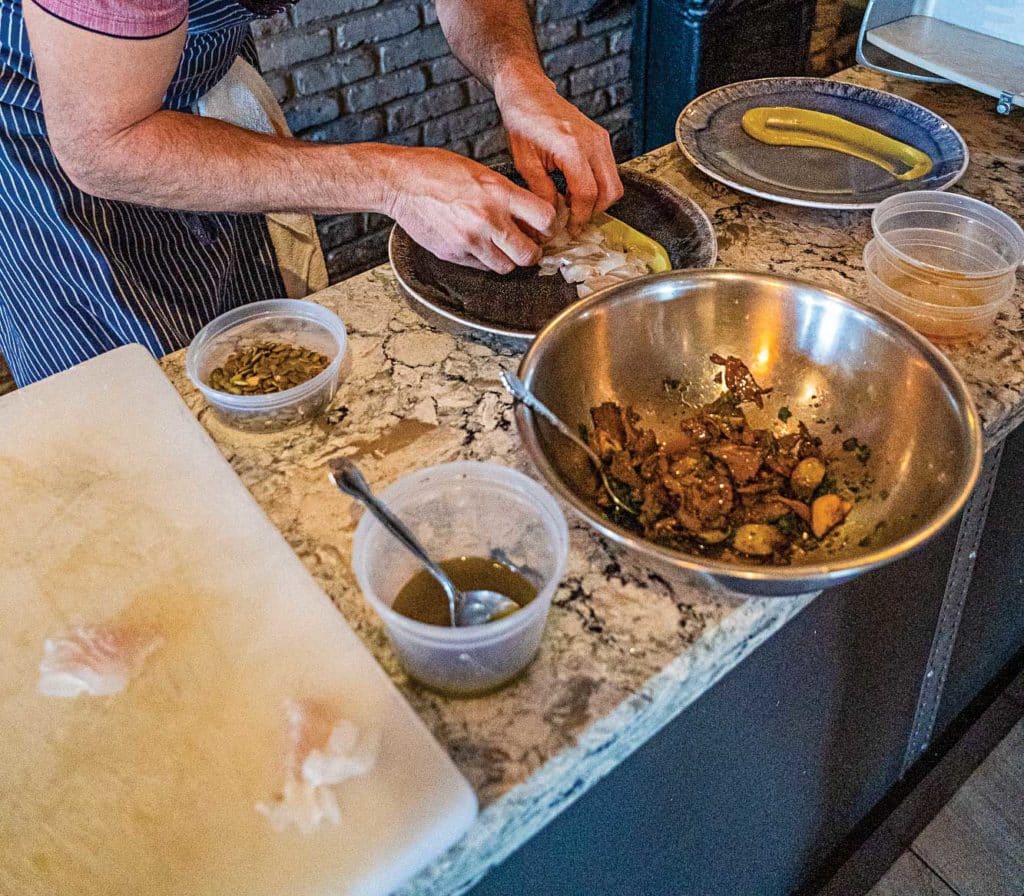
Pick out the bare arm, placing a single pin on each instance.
(494, 39)
(117, 142)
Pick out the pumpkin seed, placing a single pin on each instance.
(264, 367)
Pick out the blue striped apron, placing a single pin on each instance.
(81, 275)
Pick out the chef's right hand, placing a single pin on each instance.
(466, 213)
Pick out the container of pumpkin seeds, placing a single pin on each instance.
(269, 365)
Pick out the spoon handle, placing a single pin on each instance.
(519, 389)
(347, 477)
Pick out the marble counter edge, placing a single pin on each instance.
(514, 818)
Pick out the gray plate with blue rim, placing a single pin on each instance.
(710, 135)
(516, 306)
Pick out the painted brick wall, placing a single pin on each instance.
(354, 70)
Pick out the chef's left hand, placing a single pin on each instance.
(545, 133)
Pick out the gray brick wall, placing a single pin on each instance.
(354, 70)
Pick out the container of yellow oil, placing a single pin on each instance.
(942, 262)
(423, 599)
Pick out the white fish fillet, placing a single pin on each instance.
(323, 751)
(585, 259)
(95, 661)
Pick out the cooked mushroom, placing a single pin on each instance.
(757, 539)
(807, 476)
(712, 536)
(718, 484)
(743, 462)
(798, 507)
(740, 381)
(827, 512)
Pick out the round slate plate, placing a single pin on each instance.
(710, 135)
(517, 305)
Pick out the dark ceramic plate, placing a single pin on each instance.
(710, 135)
(517, 305)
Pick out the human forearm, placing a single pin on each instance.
(493, 39)
(180, 161)
(120, 143)
(461, 210)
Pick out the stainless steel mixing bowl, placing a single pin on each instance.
(844, 369)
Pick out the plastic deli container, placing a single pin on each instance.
(943, 262)
(465, 509)
(895, 289)
(294, 321)
(942, 233)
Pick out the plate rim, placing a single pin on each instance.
(525, 337)
(465, 323)
(809, 203)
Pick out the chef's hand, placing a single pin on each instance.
(464, 212)
(546, 132)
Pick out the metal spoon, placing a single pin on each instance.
(520, 390)
(472, 608)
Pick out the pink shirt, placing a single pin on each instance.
(120, 18)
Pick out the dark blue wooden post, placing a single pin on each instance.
(682, 48)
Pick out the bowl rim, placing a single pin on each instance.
(826, 573)
(302, 309)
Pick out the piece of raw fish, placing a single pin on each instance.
(586, 259)
(95, 660)
(323, 751)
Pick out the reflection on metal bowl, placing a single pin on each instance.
(841, 368)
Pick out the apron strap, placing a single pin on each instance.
(244, 99)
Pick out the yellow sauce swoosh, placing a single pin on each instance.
(789, 126)
(621, 236)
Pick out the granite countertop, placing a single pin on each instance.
(625, 651)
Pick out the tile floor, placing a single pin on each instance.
(975, 845)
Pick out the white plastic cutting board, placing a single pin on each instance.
(113, 500)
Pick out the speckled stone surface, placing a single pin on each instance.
(625, 650)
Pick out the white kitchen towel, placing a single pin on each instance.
(244, 99)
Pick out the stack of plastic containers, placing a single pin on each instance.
(943, 263)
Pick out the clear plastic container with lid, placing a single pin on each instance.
(944, 263)
(897, 289)
(291, 321)
(947, 233)
(465, 509)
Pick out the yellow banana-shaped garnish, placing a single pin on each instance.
(788, 126)
(619, 235)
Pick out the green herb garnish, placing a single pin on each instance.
(855, 445)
